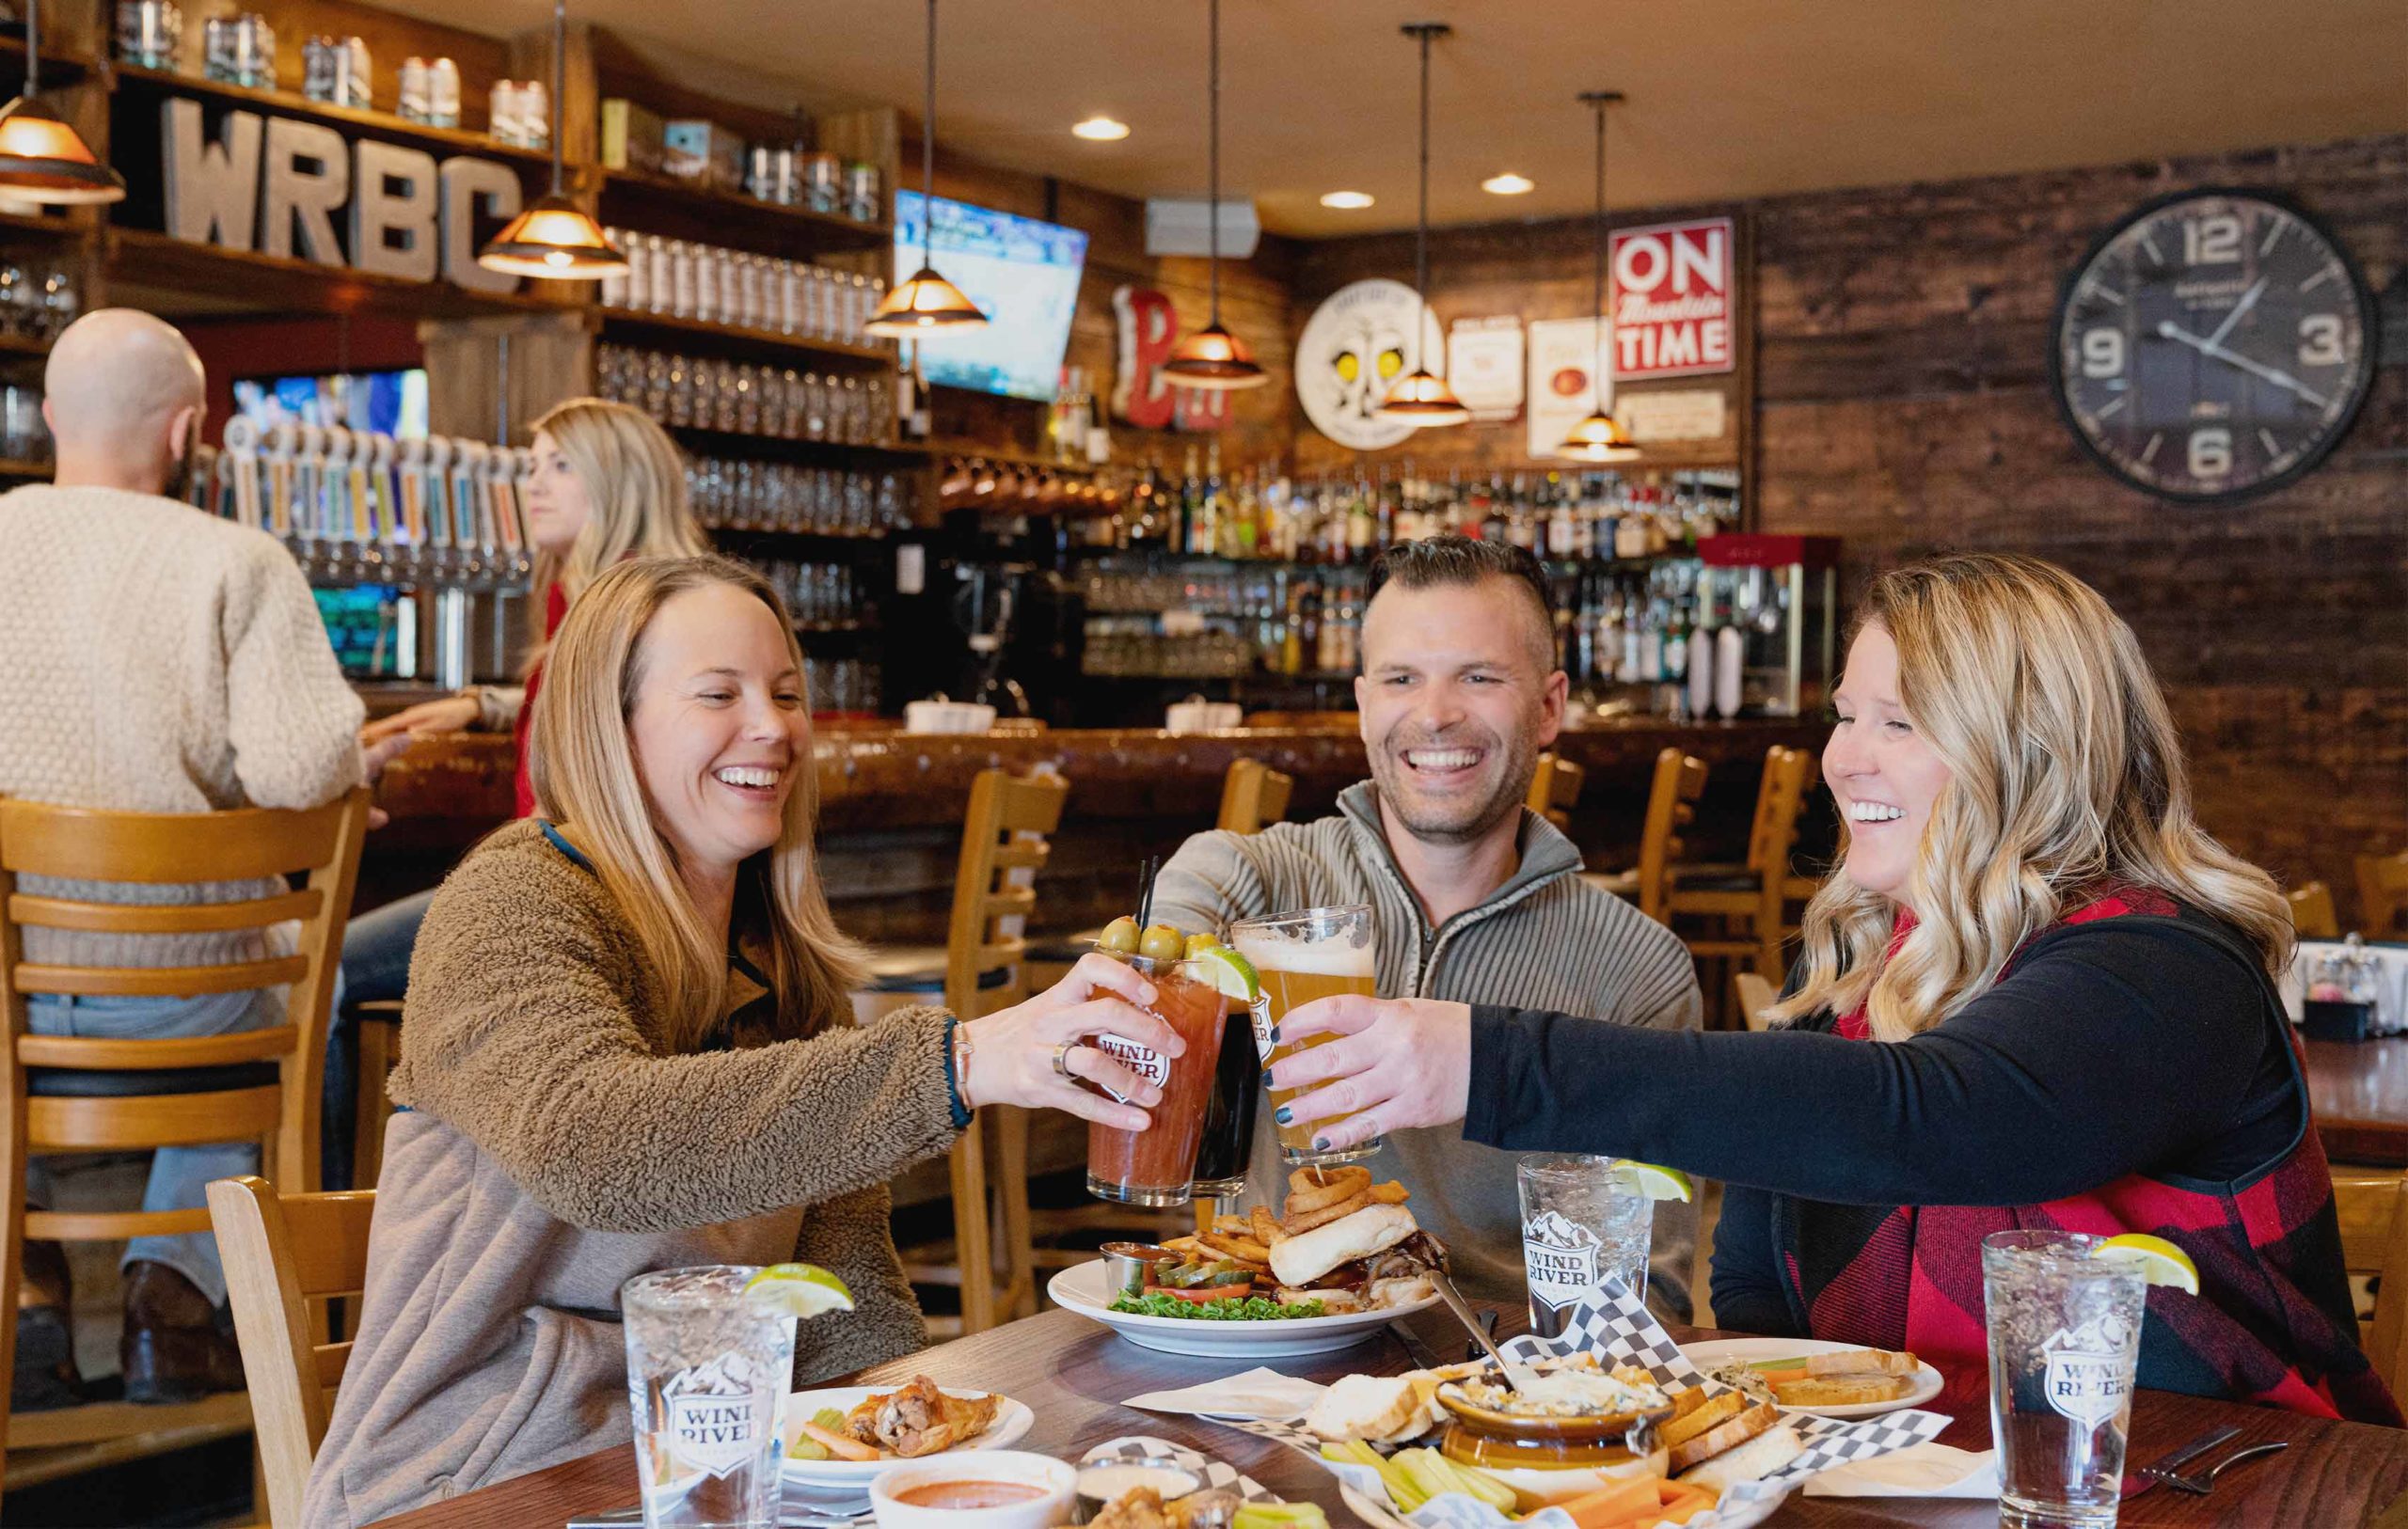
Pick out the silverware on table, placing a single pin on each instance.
(1515, 1375)
(2203, 1482)
(1422, 1355)
(2141, 1478)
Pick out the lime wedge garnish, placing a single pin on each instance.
(1654, 1183)
(1228, 973)
(797, 1290)
(2161, 1262)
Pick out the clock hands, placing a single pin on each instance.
(2248, 301)
(2168, 329)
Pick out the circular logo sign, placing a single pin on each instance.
(1356, 346)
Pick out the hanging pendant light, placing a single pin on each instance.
(42, 158)
(552, 236)
(927, 301)
(1600, 437)
(1421, 396)
(1212, 357)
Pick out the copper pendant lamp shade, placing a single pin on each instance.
(1212, 357)
(1600, 437)
(43, 159)
(552, 237)
(927, 301)
(1421, 396)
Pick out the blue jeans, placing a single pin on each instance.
(179, 1175)
(377, 949)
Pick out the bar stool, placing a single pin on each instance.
(77, 1095)
(2312, 915)
(1748, 902)
(2382, 893)
(1671, 806)
(1252, 794)
(2374, 1241)
(1003, 844)
(1555, 786)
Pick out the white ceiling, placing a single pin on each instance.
(1728, 98)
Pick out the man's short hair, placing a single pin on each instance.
(1437, 562)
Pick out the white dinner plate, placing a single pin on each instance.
(1012, 1420)
(1705, 1356)
(1082, 1288)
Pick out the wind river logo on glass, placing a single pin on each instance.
(1144, 1061)
(2090, 1369)
(715, 1413)
(1560, 1257)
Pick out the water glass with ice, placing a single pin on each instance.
(2065, 1340)
(1582, 1222)
(707, 1378)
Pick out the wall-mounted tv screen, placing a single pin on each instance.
(388, 402)
(1023, 272)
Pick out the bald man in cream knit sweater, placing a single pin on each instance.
(154, 659)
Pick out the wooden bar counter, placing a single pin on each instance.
(891, 804)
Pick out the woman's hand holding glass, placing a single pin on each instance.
(1013, 1052)
(1395, 1062)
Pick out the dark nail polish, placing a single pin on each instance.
(1267, 1084)
(1284, 1115)
(1320, 1144)
(1274, 1034)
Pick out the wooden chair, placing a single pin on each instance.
(1555, 786)
(1252, 794)
(1755, 994)
(2374, 1241)
(281, 1252)
(378, 1025)
(1003, 844)
(1748, 902)
(1671, 806)
(2382, 893)
(2312, 915)
(74, 1094)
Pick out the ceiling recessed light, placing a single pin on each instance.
(1100, 130)
(1346, 200)
(1508, 184)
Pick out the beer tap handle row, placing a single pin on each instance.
(357, 506)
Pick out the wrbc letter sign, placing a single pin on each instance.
(267, 182)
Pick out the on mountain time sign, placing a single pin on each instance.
(1672, 299)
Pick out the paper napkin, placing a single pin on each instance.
(1918, 1471)
(1258, 1392)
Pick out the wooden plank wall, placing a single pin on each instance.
(1903, 405)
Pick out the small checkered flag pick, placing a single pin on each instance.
(1134, 1447)
(1616, 1325)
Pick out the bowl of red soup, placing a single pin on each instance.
(1000, 1488)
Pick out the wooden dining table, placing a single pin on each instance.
(1075, 1376)
(2359, 1091)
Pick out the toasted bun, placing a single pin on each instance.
(1366, 1407)
(1309, 1255)
(1862, 1361)
(1842, 1389)
(1689, 1423)
(1753, 1461)
(1722, 1436)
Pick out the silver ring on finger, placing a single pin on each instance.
(1062, 1060)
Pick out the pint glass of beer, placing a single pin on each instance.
(1315, 953)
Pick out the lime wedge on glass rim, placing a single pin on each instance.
(2161, 1262)
(797, 1290)
(1228, 973)
(1653, 1183)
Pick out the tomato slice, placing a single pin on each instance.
(1204, 1293)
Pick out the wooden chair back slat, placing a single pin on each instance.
(2374, 1241)
(2312, 913)
(153, 919)
(1252, 794)
(1555, 789)
(161, 982)
(111, 1125)
(2382, 893)
(93, 1055)
(241, 846)
(111, 1225)
(1671, 806)
(279, 1252)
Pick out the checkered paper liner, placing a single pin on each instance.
(1618, 1328)
(1145, 1447)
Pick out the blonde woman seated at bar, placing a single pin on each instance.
(629, 1047)
(2036, 995)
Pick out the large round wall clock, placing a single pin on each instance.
(2212, 345)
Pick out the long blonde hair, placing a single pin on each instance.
(585, 779)
(635, 481)
(2066, 778)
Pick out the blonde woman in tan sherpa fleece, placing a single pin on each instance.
(628, 1047)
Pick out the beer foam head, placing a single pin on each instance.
(1333, 957)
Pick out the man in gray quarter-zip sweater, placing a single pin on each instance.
(1475, 899)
